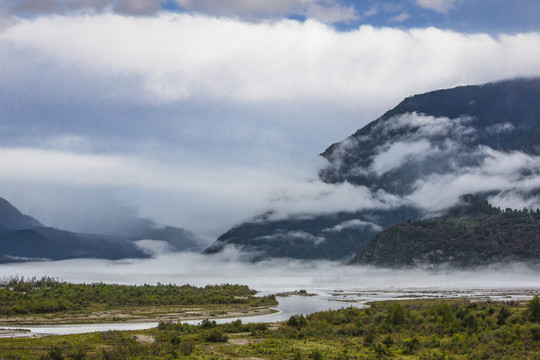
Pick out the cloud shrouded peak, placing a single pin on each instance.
(190, 116)
(489, 147)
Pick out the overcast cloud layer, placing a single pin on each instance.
(202, 119)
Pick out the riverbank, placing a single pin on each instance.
(290, 304)
(139, 315)
(457, 328)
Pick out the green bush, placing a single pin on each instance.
(411, 345)
(297, 321)
(535, 333)
(316, 354)
(397, 314)
(207, 324)
(214, 335)
(533, 307)
(187, 347)
(503, 315)
(55, 353)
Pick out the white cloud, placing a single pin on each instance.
(497, 171)
(184, 195)
(293, 236)
(515, 199)
(374, 10)
(500, 127)
(154, 248)
(316, 197)
(326, 11)
(437, 159)
(287, 82)
(353, 224)
(332, 14)
(396, 154)
(401, 17)
(426, 126)
(440, 6)
(183, 57)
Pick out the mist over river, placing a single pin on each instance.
(332, 284)
(272, 275)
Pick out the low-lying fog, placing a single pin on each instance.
(274, 275)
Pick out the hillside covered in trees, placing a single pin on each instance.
(474, 233)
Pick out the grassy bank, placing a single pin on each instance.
(416, 329)
(50, 301)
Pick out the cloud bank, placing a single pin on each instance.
(189, 117)
(247, 62)
(273, 276)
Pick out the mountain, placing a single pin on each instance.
(24, 238)
(415, 161)
(178, 239)
(333, 237)
(11, 218)
(438, 133)
(471, 234)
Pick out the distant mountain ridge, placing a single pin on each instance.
(11, 218)
(24, 238)
(414, 153)
(334, 237)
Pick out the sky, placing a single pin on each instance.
(202, 114)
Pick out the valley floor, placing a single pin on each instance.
(405, 329)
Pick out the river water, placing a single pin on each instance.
(292, 305)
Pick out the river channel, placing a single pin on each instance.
(319, 300)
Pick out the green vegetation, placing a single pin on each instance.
(48, 296)
(474, 233)
(415, 329)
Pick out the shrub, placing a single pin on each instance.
(535, 333)
(207, 324)
(533, 307)
(175, 340)
(55, 353)
(297, 321)
(215, 335)
(187, 347)
(503, 315)
(411, 345)
(77, 354)
(316, 354)
(397, 315)
(369, 338)
(379, 318)
(388, 341)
